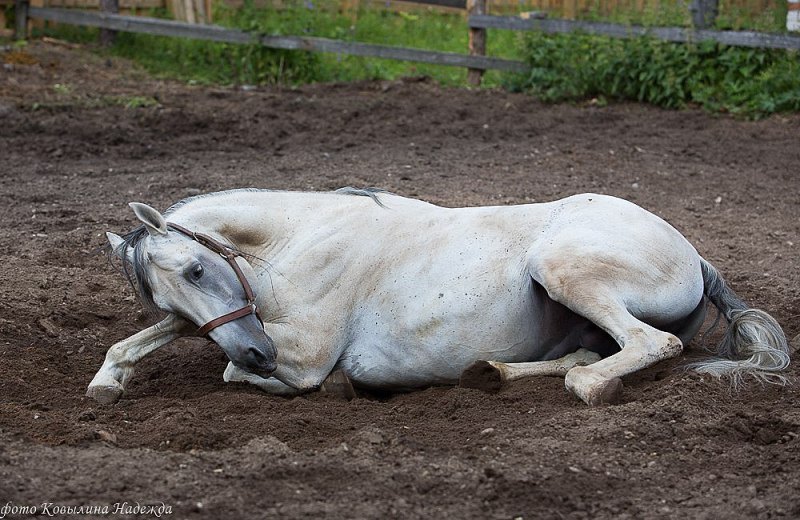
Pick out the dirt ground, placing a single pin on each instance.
(80, 136)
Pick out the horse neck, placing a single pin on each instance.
(254, 222)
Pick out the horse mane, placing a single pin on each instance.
(364, 192)
(134, 270)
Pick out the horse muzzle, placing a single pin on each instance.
(247, 346)
(256, 362)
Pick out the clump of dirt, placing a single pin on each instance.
(17, 57)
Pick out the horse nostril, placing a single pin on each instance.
(258, 356)
(259, 363)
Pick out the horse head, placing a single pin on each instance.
(201, 280)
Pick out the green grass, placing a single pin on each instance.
(214, 63)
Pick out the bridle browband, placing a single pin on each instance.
(230, 256)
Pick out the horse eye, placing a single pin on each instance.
(196, 272)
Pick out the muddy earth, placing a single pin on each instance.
(81, 136)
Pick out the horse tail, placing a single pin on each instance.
(754, 344)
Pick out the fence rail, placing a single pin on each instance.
(477, 21)
(671, 34)
(159, 27)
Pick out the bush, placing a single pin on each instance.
(749, 82)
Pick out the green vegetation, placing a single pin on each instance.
(216, 63)
(67, 100)
(747, 82)
(741, 15)
(665, 14)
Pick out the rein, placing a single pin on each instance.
(230, 256)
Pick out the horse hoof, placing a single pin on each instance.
(338, 384)
(482, 375)
(105, 394)
(607, 392)
(592, 388)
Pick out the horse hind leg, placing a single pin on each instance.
(491, 376)
(641, 346)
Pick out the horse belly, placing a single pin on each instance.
(432, 344)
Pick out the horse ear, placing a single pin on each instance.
(152, 219)
(117, 247)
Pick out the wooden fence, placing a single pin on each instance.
(478, 22)
(572, 9)
(566, 9)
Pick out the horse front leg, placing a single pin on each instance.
(234, 374)
(309, 366)
(108, 384)
(337, 383)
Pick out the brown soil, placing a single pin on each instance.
(81, 136)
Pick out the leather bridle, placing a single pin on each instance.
(230, 256)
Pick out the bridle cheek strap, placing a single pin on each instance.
(230, 256)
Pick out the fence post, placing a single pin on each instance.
(793, 15)
(477, 40)
(21, 14)
(107, 36)
(704, 12)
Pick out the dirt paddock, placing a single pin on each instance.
(81, 136)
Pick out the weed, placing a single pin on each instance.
(133, 102)
(62, 89)
(749, 82)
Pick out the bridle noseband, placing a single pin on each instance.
(230, 256)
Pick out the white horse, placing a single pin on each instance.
(394, 293)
